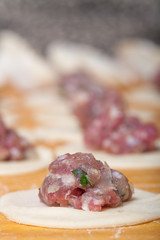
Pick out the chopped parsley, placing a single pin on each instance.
(84, 179)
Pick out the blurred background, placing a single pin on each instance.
(100, 23)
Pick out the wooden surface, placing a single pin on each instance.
(143, 179)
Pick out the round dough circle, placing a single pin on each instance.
(25, 207)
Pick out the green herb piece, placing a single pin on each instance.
(88, 180)
(75, 172)
(84, 179)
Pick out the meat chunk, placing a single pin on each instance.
(95, 103)
(12, 146)
(73, 83)
(120, 134)
(88, 98)
(79, 180)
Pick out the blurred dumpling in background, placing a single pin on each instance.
(20, 65)
(141, 55)
(68, 58)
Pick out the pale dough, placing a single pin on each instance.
(25, 207)
(51, 134)
(124, 161)
(29, 70)
(67, 58)
(146, 95)
(140, 54)
(44, 156)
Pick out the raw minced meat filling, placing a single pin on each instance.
(79, 180)
(12, 146)
(105, 123)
